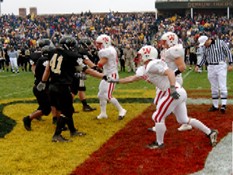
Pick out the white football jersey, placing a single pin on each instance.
(172, 53)
(111, 54)
(154, 73)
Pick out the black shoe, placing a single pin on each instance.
(54, 120)
(60, 138)
(223, 109)
(77, 133)
(212, 109)
(64, 128)
(213, 137)
(87, 108)
(155, 145)
(27, 123)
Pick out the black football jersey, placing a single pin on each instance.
(63, 65)
(34, 56)
(40, 67)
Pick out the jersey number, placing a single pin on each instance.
(55, 64)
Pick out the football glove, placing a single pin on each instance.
(41, 86)
(112, 80)
(81, 76)
(174, 94)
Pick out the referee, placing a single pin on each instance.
(217, 55)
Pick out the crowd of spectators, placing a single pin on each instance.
(134, 29)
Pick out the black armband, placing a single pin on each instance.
(105, 77)
(177, 72)
(84, 68)
(94, 67)
(97, 69)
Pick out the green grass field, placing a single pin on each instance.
(19, 86)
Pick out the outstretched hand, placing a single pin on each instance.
(110, 79)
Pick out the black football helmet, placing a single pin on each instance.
(47, 49)
(68, 42)
(85, 42)
(44, 42)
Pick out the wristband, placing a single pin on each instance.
(94, 67)
(177, 71)
(105, 77)
(99, 65)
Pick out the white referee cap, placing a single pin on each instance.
(202, 39)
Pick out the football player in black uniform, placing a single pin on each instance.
(42, 96)
(64, 62)
(78, 84)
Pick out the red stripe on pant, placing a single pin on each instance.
(111, 87)
(165, 105)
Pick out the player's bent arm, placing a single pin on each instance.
(130, 79)
(46, 73)
(33, 69)
(102, 62)
(94, 73)
(88, 62)
(171, 76)
(180, 64)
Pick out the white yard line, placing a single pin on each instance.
(187, 74)
(199, 101)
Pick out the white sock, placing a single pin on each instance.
(160, 129)
(215, 103)
(115, 102)
(103, 104)
(199, 125)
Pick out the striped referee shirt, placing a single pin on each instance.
(217, 52)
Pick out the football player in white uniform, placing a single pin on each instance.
(108, 62)
(174, 96)
(173, 55)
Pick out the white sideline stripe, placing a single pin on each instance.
(204, 101)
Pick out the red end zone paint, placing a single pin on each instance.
(184, 152)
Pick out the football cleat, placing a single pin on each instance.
(60, 138)
(213, 137)
(185, 127)
(77, 133)
(223, 109)
(152, 129)
(27, 123)
(88, 108)
(155, 145)
(102, 116)
(212, 109)
(122, 114)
